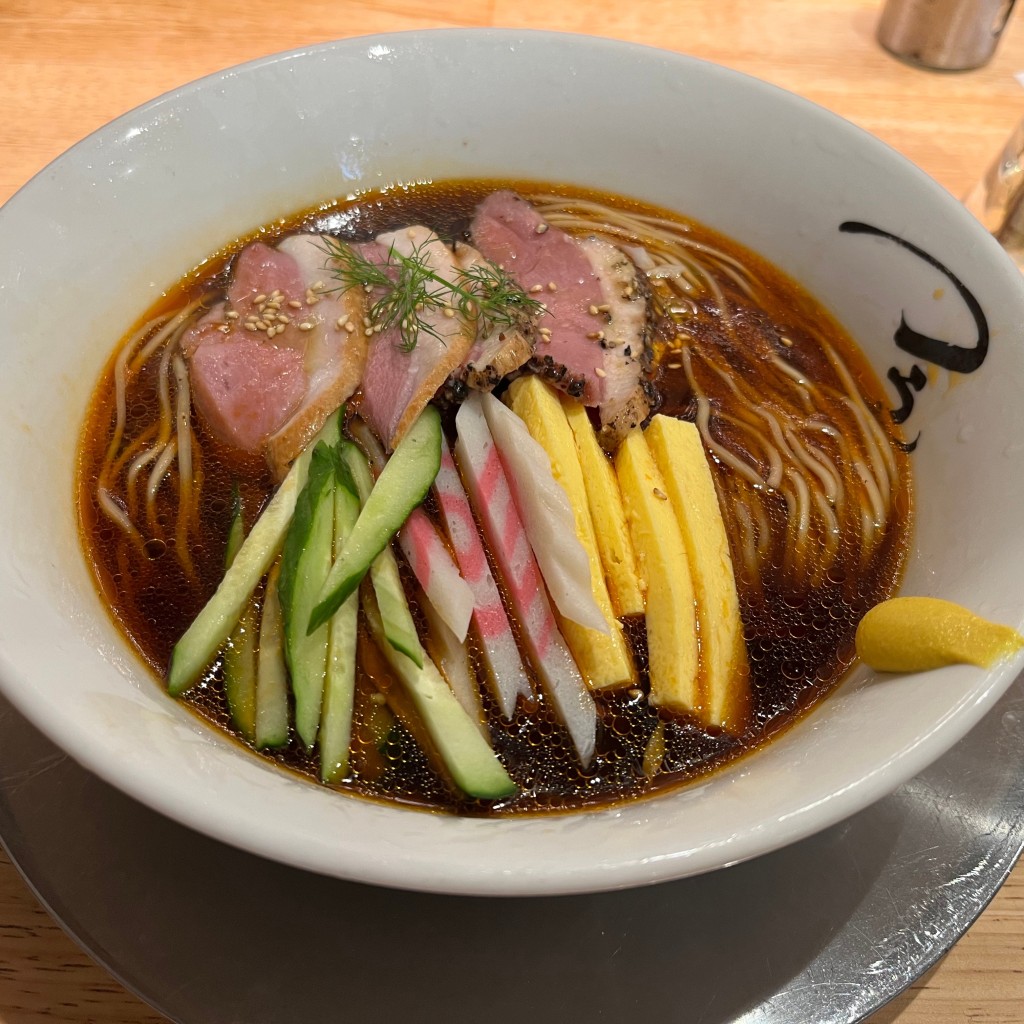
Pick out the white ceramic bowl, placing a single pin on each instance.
(89, 243)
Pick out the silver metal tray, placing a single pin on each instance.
(825, 931)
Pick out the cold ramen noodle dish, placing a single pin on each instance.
(493, 497)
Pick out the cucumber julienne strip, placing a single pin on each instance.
(400, 488)
(384, 575)
(240, 653)
(195, 650)
(340, 676)
(474, 766)
(211, 627)
(305, 561)
(271, 674)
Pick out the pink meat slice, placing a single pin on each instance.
(597, 309)
(496, 354)
(244, 388)
(510, 232)
(269, 365)
(334, 356)
(258, 271)
(397, 384)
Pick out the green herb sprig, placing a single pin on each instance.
(407, 287)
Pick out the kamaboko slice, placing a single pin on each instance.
(492, 498)
(431, 563)
(545, 512)
(497, 643)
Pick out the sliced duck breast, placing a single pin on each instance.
(500, 351)
(627, 396)
(400, 380)
(334, 353)
(244, 388)
(593, 341)
(269, 365)
(247, 382)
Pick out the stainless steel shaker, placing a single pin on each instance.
(946, 35)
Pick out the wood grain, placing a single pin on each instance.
(69, 66)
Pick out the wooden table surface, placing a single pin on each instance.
(69, 66)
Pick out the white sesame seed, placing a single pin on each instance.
(541, 228)
(295, 304)
(223, 328)
(317, 285)
(674, 366)
(600, 372)
(536, 288)
(449, 312)
(593, 311)
(305, 326)
(552, 287)
(341, 322)
(260, 298)
(231, 315)
(659, 493)
(250, 327)
(350, 327)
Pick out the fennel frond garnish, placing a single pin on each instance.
(406, 286)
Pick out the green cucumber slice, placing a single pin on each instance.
(400, 488)
(271, 674)
(399, 627)
(240, 653)
(211, 627)
(340, 680)
(473, 764)
(305, 562)
(240, 674)
(236, 531)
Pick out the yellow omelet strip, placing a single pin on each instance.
(604, 659)
(605, 500)
(661, 557)
(679, 454)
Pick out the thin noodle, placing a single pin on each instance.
(116, 514)
(156, 477)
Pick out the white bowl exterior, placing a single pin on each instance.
(95, 238)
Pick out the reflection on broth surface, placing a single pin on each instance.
(812, 486)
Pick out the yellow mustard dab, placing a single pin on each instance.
(914, 634)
